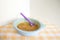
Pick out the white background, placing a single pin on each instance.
(10, 9)
(48, 10)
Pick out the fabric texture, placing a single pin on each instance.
(50, 32)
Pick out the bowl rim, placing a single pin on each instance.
(40, 23)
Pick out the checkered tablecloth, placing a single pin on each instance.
(50, 32)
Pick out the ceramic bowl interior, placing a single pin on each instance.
(18, 21)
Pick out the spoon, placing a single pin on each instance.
(31, 23)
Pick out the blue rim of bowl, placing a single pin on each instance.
(42, 26)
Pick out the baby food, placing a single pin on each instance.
(27, 27)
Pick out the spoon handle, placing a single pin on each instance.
(28, 20)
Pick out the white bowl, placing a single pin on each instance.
(28, 33)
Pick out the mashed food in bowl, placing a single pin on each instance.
(27, 27)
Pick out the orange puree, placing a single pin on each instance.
(27, 27)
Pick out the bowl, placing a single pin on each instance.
(28, 33)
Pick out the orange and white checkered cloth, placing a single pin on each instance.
(50, 32)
